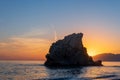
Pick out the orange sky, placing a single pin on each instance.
(96, 39)
(34, 48)
(24, 48)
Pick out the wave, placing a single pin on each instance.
(105, 76)
(113, 77)
(110, 66)
(115, 66)
(67, 78)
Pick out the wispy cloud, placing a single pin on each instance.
(54, 32)
(3, 44)
(29, 43)
(26, 44)
(35, 32)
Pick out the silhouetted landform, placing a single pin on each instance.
(69, 52)
(107, 57)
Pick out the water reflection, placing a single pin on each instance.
(99, 73)
(36, 71)
(85, 73)
(64, 72)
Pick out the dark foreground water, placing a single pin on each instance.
(35, 70)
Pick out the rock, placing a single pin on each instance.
(69, 52)
(98, 63)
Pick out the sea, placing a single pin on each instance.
(35, 70)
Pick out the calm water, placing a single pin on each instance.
(35, 70)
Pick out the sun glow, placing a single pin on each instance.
(91, 52)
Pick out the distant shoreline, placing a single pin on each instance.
(107, 57)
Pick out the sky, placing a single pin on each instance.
(28, 27)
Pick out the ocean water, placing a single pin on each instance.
(35, 70)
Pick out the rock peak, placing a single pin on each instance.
(74, 40)
(69, 52)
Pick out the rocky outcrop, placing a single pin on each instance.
(69, 52)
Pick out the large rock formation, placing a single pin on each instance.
(69, 52)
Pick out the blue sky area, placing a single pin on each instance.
(19, 16)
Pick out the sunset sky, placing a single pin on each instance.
(28, 27)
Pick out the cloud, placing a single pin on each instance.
(28, 43)
(24, 48)
(33, 43)
(35, 32)
(2, 44)
(31, 47)
(55, 32)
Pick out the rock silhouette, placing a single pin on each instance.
(69, 52)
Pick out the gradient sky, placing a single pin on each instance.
(28, 27)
